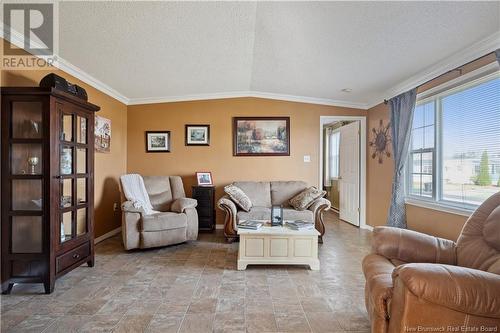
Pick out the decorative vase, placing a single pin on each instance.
(33, 162)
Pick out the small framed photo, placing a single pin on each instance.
(197, 135)
(204, 178)
(158, 141)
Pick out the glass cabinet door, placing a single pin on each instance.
(74, 175)
(26, 176)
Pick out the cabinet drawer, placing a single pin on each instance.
(72, 257)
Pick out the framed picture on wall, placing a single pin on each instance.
(204, 178)
(261, 136)
(158, 141)
(102, 134)
(197, 135)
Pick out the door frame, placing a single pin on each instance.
(323, 120)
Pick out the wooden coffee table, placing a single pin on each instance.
(278, 246)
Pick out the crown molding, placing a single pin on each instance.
(17, 39)
(310, 100)
(187, 98)
(71, 69)
(468, 54)
(255, 94)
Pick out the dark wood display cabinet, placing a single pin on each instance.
(47, 185)
(205, 195)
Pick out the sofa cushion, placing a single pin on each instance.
(305, 198)
(238, 196)
(290, 214)
(177, 187)
(282, 191)
(255, 213)
(258, 192)
(160, 194)
(163, 221)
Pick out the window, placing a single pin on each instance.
(333, 154)
(454, 156)
(422, 151)
(332, 146)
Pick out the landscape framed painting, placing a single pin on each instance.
(197, 135)
(158, 141)
(261, 136)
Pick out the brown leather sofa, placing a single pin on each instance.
(420, 283)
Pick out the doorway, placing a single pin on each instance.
(343, 166)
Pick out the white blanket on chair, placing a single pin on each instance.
(135, 191)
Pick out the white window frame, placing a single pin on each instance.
(337, 133)
(436, 94)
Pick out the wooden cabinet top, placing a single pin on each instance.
(49, 91)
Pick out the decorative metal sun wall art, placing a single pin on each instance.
(381, 139)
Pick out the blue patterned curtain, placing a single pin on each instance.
(402, 108)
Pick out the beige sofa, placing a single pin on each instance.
(176, 222)
(265, 194)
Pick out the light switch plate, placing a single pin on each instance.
(307, 158)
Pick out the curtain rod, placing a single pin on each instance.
(459, 68)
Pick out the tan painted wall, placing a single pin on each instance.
(379, 193)
(218, 157)
(434, 222)
(379, 175)
(108, 167)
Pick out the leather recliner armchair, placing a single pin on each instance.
(416, 282)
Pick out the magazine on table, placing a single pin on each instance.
(300, 225)
(254, 225)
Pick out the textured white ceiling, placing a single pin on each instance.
(147, 50)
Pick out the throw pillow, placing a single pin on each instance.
(238, 196)
(305, 198)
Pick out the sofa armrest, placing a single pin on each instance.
(458, 288)
(131, 217)
(412, 246)
(129, 207)
(230, 224)
(192, 223)
(318, 207)
(180, 205)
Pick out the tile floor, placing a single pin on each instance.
(195, 287)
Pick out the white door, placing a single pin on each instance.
(349, 173)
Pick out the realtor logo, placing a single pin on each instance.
(33, 23)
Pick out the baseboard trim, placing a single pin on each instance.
(367, 227)
(219, 226)
(108, 235)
